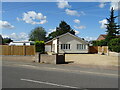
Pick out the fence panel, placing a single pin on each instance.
(103, 49)
(6, 50)
(99, 49)
(93, 49)
(17, 50)
(30, 50)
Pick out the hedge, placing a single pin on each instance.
(114, 45)
(40, 46)
(99, 43)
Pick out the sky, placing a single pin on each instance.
(86, 18)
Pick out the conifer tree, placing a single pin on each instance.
(112, 27)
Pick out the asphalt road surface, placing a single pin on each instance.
(30, 75)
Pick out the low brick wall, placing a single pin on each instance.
(52, 59)
(114, 54)
(45, 58)
(19, 58)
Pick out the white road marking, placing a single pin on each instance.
(65, 86)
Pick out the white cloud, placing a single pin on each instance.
(18, 19)
(90, 38)
(76, 21)
(76, 32)
(82, 13)
(72, 12)
(103, 22)
(114, 5)
(33, 18)
(17, 37)
(62, 4)
(102, 5)
(79, 27)
(6, 25)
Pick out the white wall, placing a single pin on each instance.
(54, 47)
(12, 43)
(67, 39)
(47, 48)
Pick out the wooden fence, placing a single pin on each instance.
(17, 50)
(98, 49)
(93, 49)
(103, 49)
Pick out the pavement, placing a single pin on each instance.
(17, 74)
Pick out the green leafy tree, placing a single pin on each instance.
(40, 46)
(1, 40)
(37, 34)
(7, 40)
(62, 29)
(114, 45)
(99, 43)
(112, 27)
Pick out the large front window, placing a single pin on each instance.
(81, 46)
(65, 46)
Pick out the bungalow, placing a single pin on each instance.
(66, 43)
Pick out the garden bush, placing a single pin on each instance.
(114, 45)
(99, 43)
(40, 46)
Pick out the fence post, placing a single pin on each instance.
(98, 49)
(34, 49)
(12, 50)
(37, 57)
(107, 51)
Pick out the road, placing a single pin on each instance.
(34, 75)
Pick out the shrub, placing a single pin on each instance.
(40, 46)
(99, 43)
(114, 45)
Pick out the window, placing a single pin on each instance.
(65, 46)
(81, 46)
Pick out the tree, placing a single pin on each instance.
(62, 29)
(114, 45)
(99, 43)
(1, 40)
(7, 40)
(112, 27)
(37, 34)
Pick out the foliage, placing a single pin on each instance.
(112, 27)
(114, 45)
(37, 34)
(40, 46)
(1, 39)
(6, 40)
(62, 29)
(99, 43)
